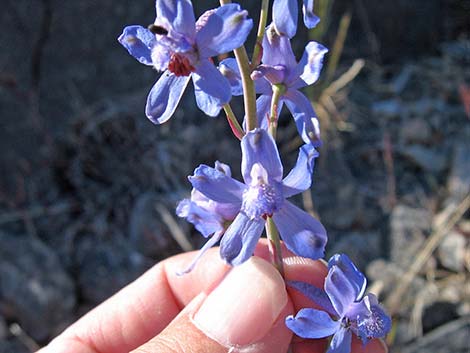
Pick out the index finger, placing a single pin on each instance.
(144, 308)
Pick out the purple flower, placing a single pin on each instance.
(280, 68)
(264, 195)
(346, 309)
(285, 14)
(207, 216)
(182, 48)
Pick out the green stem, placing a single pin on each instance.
(233, 122)
(278, 91)
(249, 93)
(257, 50)
(274, 245)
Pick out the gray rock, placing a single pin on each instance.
(426, 105)
(3, 328)
(147, 233)
(362, 247)
(451, 252)
(437, 314)
(408, 227)
(449, 338)
(388, 274)
(391, 108)
(458, 182)
(105, 266)
(416, 130)
(428, 159)
(346, 206)
(34, 288)
(13, 345)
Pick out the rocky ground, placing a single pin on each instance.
(89, 186)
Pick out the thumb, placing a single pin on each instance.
(244, 313)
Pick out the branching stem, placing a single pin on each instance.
(258, 49)
(249, 93)
(278, 91)
(233, 122)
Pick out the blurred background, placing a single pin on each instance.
(89, 186)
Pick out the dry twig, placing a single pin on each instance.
(441, 230)
(174, 228)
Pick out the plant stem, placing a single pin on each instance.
(257, 50)
(233, 122)
(249, 93)
(274, 245)
(278, 91)
(271, 231)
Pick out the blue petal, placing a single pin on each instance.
(209, 244)
(341, 292)
(216, 185)
(165, 96)
(263, 106)
(225, 211)
(207, 223)
(179, 14)
(308, 69)
(229, 68)
(285, 15)
(317, 295)
(259, 147)
(224, 168)
(341, 342)
(312, 323)
(277, 50)
(300, 177)
(357, 279)
(302, 234)
(240, 239)
(310, 19)
(373, 322)
(212, 90)
(304, 116)
(139, 42)
(263, 86)
(274, 74)
(222, 30)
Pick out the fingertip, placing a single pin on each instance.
(310, 346)
(208, 273)
(304, 270)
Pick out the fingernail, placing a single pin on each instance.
(245, 305)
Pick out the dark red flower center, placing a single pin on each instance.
(180, 65)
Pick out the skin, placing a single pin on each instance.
(123, 323)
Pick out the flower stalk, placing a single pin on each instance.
(249, 93)
(278, 91)
(233, 122)
(274, 244)
(258, 49)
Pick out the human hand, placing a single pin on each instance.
(213, 309)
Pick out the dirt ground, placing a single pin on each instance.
(89, 186)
